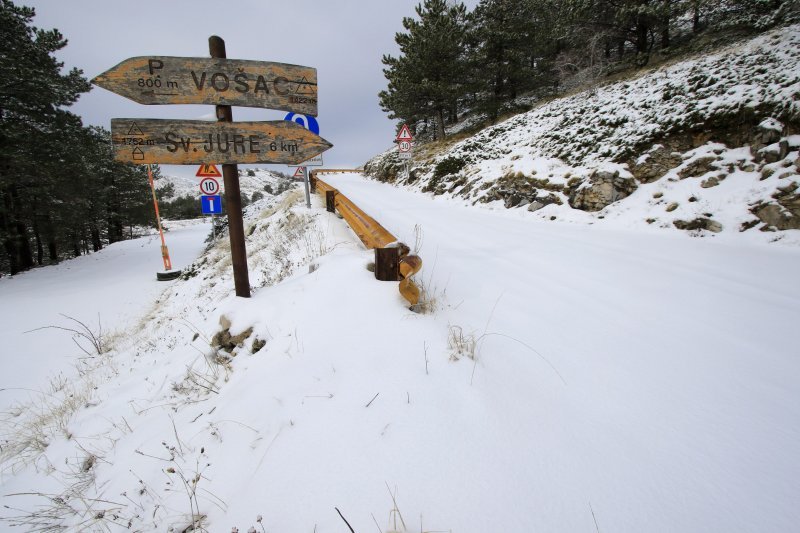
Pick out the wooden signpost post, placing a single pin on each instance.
(221, 82)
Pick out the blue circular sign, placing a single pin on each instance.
(309, 123)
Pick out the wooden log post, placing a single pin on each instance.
(233, 198)
(330, 201)
(387, 264)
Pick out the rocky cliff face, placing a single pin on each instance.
(706, 145)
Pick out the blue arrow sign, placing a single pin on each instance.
(212, 205)
(309, 123)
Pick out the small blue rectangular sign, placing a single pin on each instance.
(212, 205)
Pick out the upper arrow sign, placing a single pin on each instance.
(189, 142)
(197, 80)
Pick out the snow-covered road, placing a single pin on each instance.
(651, 376)
(115, 286)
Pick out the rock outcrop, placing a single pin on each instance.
(601, 189)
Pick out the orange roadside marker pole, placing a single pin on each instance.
(164, 249)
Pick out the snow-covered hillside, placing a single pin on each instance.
(706, 145)
(250, 181)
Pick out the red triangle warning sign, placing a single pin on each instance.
(208, 171)
(298, 173)
(405, 134)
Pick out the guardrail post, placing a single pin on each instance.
(330, 201)
(387, 264)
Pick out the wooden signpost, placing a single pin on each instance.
(185, 142)
(221, 82)
(159, 80)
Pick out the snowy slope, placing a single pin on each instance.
(111, 287)
(623, 153)
(186, 186)
(572, 377)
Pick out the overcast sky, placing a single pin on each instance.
(343, 39)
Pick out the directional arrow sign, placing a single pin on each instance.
(197, 80)
(189, 142)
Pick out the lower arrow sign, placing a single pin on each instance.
(189, 142)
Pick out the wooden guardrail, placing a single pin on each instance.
(393, 262)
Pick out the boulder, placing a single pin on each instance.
(783, 215)
(224, 340)
(542, 201)
(699, 223)
(698, 167)
(777, 216)
(767, 132)
(654, 164)
(602, 189)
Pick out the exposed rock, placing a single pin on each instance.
(658, 194)
(603, 188)
(223, 338)
(713, 181)
(539, 203)
(786, 213)
(655, 164)
(516, 189)
(672, 207)
(257, 345)
(777, 216)
(767, 132)
(783, 149)
(698, 223)
(769, 154)
(749, 224)
(698, 167)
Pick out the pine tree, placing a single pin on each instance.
(32, 91)
(428, 77)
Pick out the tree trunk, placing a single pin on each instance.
(52, 245)
(23, 246)
(97, 244)
(440, 121)
(39, 247)
(642, 34)
(76, 245)
(52, 250)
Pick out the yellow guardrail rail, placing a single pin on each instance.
(371, 233)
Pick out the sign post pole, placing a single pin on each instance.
(164, 249)
(305, 182)
(233, 198)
